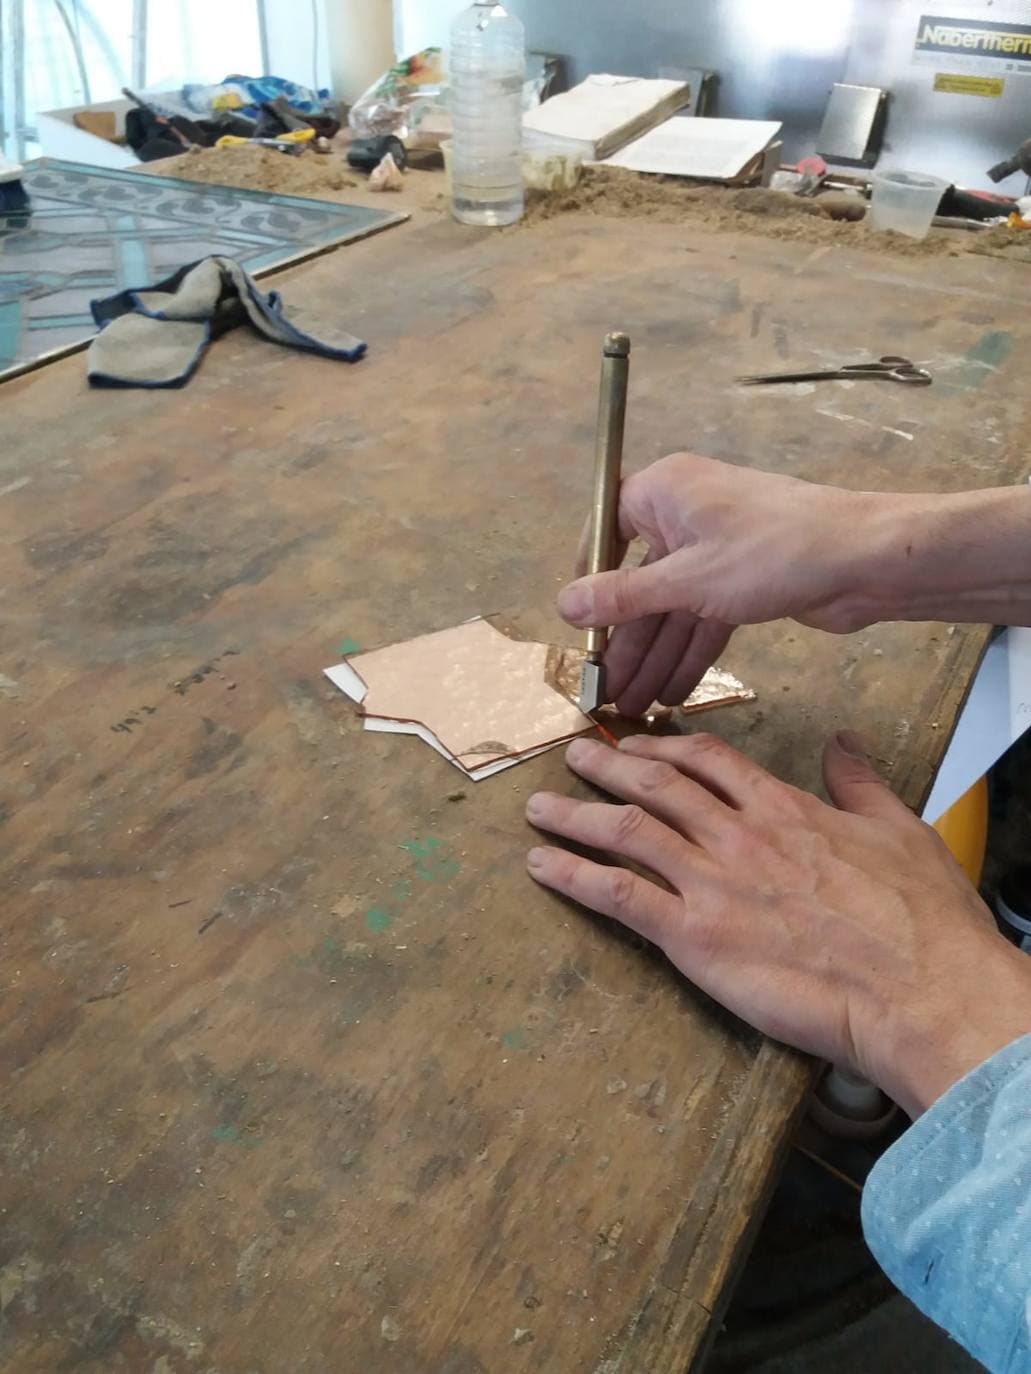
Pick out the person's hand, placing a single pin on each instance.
(848, 931)
(726, 547)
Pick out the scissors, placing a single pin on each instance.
(889, 369)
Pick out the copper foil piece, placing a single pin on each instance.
(717, 688)
(484, 696)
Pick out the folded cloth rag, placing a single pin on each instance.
(156, 336)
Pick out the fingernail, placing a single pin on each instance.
(535, 805)
(628, 742)
(536, 858)
(853, 744)
(575, 603)
(579, 750)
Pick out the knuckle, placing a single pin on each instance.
(623, 593)
(796, 805)
(707, 935)
(703, 745)
(622, 889)
(563, 871)
(629, 822)
(632, 489)
(657, 776)
(739, 841)
(680, 464)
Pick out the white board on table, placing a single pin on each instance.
(996, 714)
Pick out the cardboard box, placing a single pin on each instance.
(60, 137)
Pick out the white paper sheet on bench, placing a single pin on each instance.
(716, 149)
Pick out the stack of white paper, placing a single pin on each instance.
(603, 113)
(709, 149)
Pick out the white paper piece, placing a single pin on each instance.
(379, 725)
(342, 675)
(716, 149)
(345, 677)
(996, 714)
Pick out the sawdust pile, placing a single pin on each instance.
(261, 169)
(612, 191)
(604, 191)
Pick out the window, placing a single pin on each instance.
(56, 53)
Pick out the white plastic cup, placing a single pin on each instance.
(545, 169)
(906, 202)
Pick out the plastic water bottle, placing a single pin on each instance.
(488, 68)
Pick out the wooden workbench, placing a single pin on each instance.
(302, 1073)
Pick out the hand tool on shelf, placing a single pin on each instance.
(608, 474)
(296, 138)
(888, 369)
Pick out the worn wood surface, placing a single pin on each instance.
(301, 1071)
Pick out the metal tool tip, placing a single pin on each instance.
(592, 687)
(617, 346)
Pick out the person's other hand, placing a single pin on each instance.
(848, 930)
(726, 547)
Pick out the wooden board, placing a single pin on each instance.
(302, 1072)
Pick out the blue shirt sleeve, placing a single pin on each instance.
(947, 1211)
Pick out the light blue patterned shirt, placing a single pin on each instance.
(947, 1211)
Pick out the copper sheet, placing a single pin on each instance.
(483, 695)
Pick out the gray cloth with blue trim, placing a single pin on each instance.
(156, 336)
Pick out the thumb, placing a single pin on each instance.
(614, 598)
(854, 785)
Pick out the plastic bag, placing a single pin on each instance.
(402, 98)
(387, 176)
(245, 95)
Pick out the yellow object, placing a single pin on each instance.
(991, 86)
(964, 828)
(295, 136)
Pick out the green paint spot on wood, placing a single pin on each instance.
(515, 1039)
(348, 647)
(432, 865)
(992, 350)
(421, 849)
(232, 1135)
(979, 363)
(378, 920)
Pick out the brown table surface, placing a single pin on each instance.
(302, 1072)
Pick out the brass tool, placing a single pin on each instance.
(608, 475)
